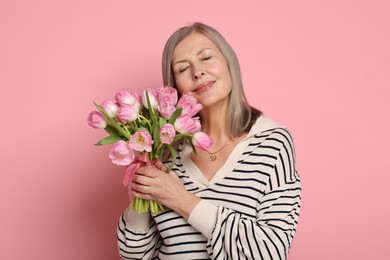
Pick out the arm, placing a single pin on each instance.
(138, 237)
(268, 235)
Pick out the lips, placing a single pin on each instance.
(203, 87)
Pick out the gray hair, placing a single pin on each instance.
(241, 116)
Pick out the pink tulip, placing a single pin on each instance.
(167, 133)
(123, 97)
(152, 94)
(202, 141)
(128, 113)
(121, 154)
(167, 99)
(141, 141)
(189, 105)
(110, 107)
(185, 124)
(97, 120)
(166, 109)
(168, 95)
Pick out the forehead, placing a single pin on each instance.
(192, 44)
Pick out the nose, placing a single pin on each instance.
(197, 72)
(196, 76)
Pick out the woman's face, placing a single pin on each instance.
(201, 70)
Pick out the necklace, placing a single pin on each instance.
(213, 156)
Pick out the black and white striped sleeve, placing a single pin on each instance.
(138, 237)
(269, 235)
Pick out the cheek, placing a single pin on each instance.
(180, 90)
(220, 68)
(182, 85)
(225, 74)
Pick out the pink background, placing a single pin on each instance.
(322, 68)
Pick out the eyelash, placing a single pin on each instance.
(182, 70)
(203, 59)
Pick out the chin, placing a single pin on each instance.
(207, 102)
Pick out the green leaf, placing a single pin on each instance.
(179, 136)
(143, 124)
(156, 135)
(189, 140)
(111, 130)
(150, 108)
(161, 121)
(175, 115)
(113, 123)
(173, 153)
(162, 150)
(110, 140)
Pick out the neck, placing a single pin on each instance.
(214, 123)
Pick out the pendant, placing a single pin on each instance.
(212, 157)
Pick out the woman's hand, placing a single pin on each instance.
(151, 182)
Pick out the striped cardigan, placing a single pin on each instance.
(257, 208)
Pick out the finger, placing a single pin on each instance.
(149, 164)
(141, 179)
(159, 165)
(142, 196)
(140, 188)
(149, 171)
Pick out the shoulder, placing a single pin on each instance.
(267, 131)
(264, 123)
(274, 143)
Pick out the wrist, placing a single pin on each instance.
(186, 204)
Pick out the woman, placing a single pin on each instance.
(241, 199)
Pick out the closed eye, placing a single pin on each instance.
(207, 58)
(183, 69)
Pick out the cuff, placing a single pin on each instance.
(137, 222)
(203, 217)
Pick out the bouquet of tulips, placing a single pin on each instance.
(144, 128)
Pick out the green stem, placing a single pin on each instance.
(124, 126)
(147, 121)
(159, 148)
(178, 136)
(134, 123)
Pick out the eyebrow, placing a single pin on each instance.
(199, 52)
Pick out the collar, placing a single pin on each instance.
(262, 124)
